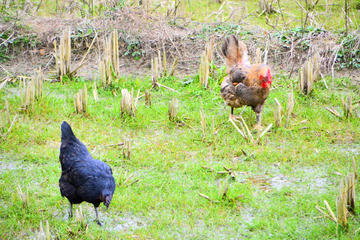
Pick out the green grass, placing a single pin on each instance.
(167, 157)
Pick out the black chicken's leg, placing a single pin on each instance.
(70, 212)
(97, 217)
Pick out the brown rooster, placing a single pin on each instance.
(246, 85)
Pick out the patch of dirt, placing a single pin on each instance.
(146, 34)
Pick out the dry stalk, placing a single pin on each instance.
(115, 53)
(265, 7)
(245, 132)
(95, 93)
(127, 148)
(341, 205)
(81, 100)
(41, 231)
(333, 111)
(63, 54)
(258, 54)
(354, 166)
(109, 67)
(147, 98)
(205, 60)
(32, 91)
(348, 107)
(277, 113)
(289, 107)
(159, 68)
(207, 198)
(24, 197)
(47, 230)
(309, 73)
(204, 70)
(173, 109)
(128, 105)
(203, 121)
(350, 183)
(222, 189)
(173, 67)
(7, 111)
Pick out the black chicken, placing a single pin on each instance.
(83, 178)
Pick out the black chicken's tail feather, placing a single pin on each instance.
(67, 133)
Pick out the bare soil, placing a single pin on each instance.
(140, 33)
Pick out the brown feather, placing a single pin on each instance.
(234, 51)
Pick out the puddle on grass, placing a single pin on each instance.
(6, 166)
(348, 149)
(303, 179)
(112, 220)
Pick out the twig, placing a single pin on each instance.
(206, 197)
(210, 169)
(263, 133)
(325, 214)
(3, 84)
(333, 111)
(128, 179)
(117, 144)
(170, 89)
(4, 136)
(329, 208)
(7, 39)
(242, 134)
(5, 70)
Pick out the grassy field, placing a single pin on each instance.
(273, 194)
(273, 186)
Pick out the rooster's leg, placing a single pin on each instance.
(232, 116)
(258, 121)
(97, 216)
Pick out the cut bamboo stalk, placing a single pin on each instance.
(354, 166)
(41, 232)
(164, 65)
(95, 93)
(81, 100)
(147, 98)
(203, 122)
(173, 109)
(350, 192)
(341, 205)
(127, 148)
(7, 111)
(47, 230)
(126, 102)
(277, 113)
(173, 67)
(160, 65)
(258, 56)
(309, 73)
(290, 107)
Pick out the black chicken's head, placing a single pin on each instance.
(107, 200)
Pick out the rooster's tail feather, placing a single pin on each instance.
(234, 51)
